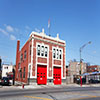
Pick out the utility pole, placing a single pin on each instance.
(0, 63)
(0, 67)
(14, 75)
(81, 59)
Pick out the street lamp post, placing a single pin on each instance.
(81, 59)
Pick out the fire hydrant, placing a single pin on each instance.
(23, 86)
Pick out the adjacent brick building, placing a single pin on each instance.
(93, 68)
(41, 60)
(74, 70)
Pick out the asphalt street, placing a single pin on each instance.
(65, 93)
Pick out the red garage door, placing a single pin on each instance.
(57, 76)
(41, 74)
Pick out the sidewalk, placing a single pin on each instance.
(36, 87)
(5, 88)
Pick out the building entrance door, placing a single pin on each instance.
(57, 75)
(41, 74)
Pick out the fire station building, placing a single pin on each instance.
(41, 60)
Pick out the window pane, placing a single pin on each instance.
(38, 50)
(30, 49)
(21, 73)
(46, 51)
(60, 54)
(42, 51)
(25, 54)
(57, 54)
(24, 73)
(18, 65)
(54, 53)
(21, 57)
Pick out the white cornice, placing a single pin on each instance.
(42, 34)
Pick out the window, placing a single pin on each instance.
(42, 51)
(18, 65)
(5, 67)
(38, 50)
(30, 49)
(46, 51)
(54, 53)
(57, 54)
(21, 73)
(25, 54)
(24, 73)
(21, 57)
(60, 54)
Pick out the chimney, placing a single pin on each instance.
(18, 46)
(17, 52)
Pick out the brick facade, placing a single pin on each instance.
(92, 68)
(40, 49)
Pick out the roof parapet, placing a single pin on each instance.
(42, 34)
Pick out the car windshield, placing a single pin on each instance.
(5, 78)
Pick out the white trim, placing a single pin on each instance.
(48, 41)
(50, 51)
(58, 59)
(47, 64)
(62, 65)
(58, 53)
(52, 63)
(48, 37)
(64, 78)
(41, 44)
(47, 61)
(42, 64)
(65, 64)
(57, 65)
(29, 70)
(37, 63)
(32, 58)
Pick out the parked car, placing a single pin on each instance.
(5, 81)
(83, 81)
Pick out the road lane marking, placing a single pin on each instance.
(96, 91)
(84, 98)
(89, 96)
(38, 98)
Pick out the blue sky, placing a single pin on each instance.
(76, 21)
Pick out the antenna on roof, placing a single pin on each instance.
(49, 26)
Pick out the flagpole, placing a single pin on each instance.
(49, 31)
(49, 27)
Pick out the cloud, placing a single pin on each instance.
(9, 28)
(16, 29)
(27, 27)
(37, 30)
(12, 37)
(3, 31)
(94, 52)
